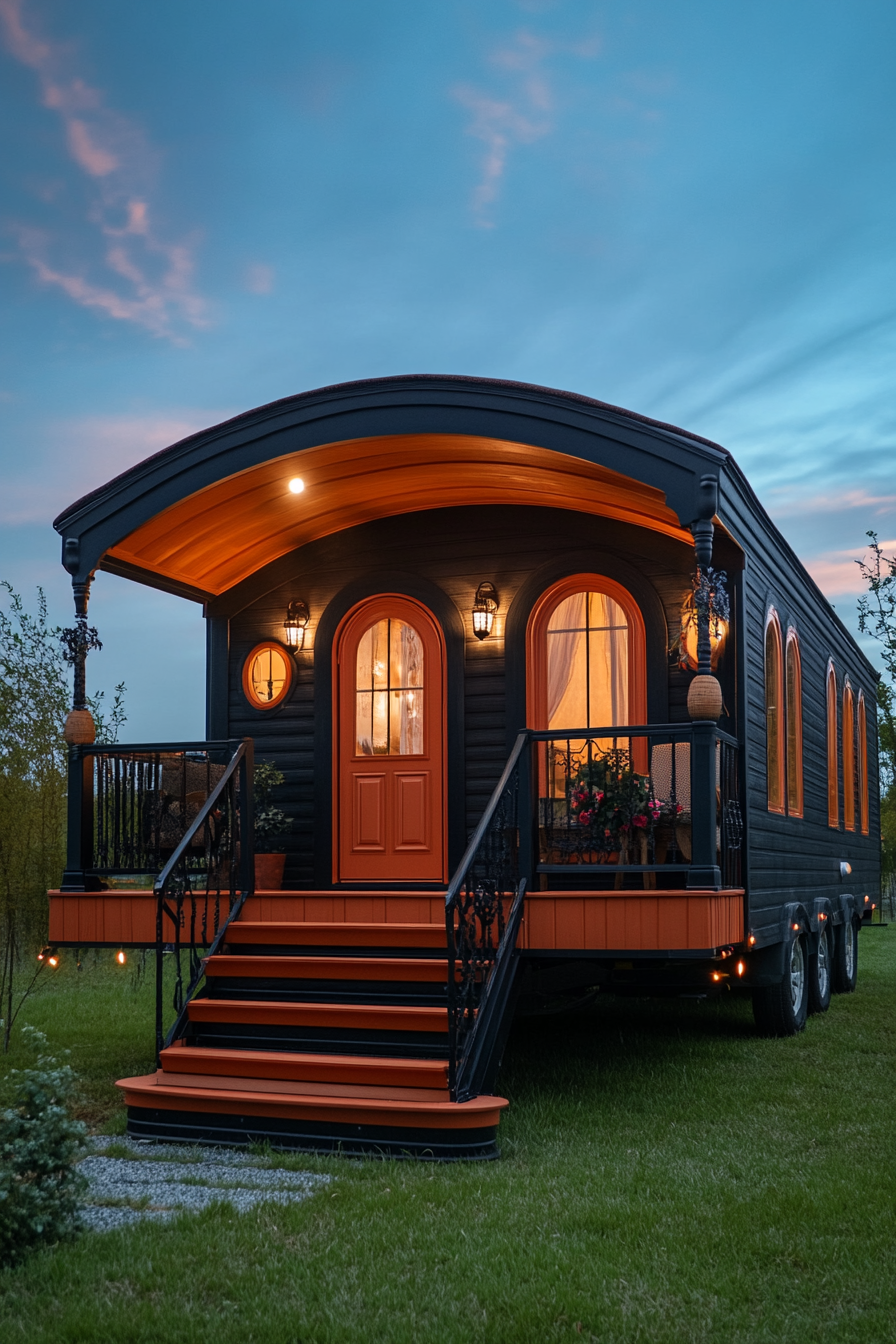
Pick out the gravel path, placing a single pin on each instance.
(160, 1180)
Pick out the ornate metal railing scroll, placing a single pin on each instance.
(483, 910)
(731, 822)
(203, 887)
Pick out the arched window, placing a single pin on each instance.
(586, 656)
(793, 675)
(862, 738)
(849, 759)
(833, 780)
(774, 713)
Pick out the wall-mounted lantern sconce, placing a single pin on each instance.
(297, 619)
(687, 643)
(484, 609)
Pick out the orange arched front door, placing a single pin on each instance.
(389, 823)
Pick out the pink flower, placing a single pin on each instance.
(639, 820)
(585, 818)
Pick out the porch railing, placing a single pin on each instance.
(662, 801)
(129, 807)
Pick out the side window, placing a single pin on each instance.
(833, 781)
(794, 680)
(774, 713)
(849, 758)
(862, 732)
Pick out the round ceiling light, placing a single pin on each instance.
(297, 485)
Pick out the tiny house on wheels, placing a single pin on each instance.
(557, 710)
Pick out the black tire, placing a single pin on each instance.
(821, 970)
(780, 1010)
(846, 957)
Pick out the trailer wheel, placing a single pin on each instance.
(820, 972)
(780, 1010)
(846, 958)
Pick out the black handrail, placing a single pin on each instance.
(699, 837)
(225, 820)
(481, 940)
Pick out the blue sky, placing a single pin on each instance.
(686, 207)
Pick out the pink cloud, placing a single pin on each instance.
(837, 574)
(519, 118)
(259, 279)
(94, 160)
(157, 292)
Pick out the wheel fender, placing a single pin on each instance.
(767, 966)
(850, 909)
(822, 915)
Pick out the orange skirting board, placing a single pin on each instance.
(566, 921)
(114, 918)
(337, 907)
(633, 921)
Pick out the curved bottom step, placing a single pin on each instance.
(307, 1136)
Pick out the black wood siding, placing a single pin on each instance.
(453, 549)
(791, 858)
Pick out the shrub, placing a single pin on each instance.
(40, 1186)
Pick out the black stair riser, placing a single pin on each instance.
(279, 989)
(437, 1145)
(318, 1040)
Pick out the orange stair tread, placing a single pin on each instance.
(300, 1087)
(328, 968)
(147, 1092)
(276, 1063)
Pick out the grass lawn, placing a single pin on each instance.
(666, 1177)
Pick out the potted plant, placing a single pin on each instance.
(616, 809)
(271, 824)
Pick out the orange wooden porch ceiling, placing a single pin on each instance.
(215, 538)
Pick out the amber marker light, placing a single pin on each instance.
(796, 928)
(740, 968)
(120, 958)
(752, 939)
(296, 485)
(716, 975)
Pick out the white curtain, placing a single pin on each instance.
(588, 667)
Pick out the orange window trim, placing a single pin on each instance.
(794, 717)
(849, 759)
(248, 690)
(833, 780)
(537, 646)
(774, 717)
(863, 763)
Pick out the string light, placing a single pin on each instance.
(120, 958)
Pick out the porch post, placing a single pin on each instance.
(704, 870)
(79, 732)
(526, 807)
(704, 707)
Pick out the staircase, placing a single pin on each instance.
(321, 1036)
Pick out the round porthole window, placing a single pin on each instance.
(267, 675)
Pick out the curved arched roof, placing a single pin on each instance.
(202, 515)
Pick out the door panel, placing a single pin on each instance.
(389, 748)
(369, 813)
(412, 811)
